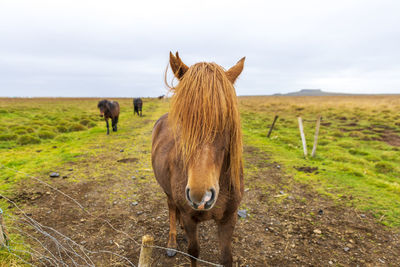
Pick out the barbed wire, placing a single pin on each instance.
(39, 227)
(185, 254)
(10, 251)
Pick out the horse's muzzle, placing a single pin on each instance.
(206, 202)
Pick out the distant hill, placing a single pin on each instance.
(311, 92)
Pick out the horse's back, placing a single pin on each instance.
(162, 153)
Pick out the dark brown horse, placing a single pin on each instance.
(197, 153)
(110, 110)
(137, 106)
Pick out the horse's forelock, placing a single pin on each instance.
(204, 105)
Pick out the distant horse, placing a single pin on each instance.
(110, 110)
(137, 106)
(160, 97)
(197, 153)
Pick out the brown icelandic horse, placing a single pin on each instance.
(110, 110)
(197, 153)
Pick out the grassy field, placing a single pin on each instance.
(357, 162)
(40, 135)
(358, 155)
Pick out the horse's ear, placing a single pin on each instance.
(178, 67)
(235, 71)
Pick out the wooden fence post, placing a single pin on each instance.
(3, 233)
(303, 138)
(272, 126)
(316, 136)
(145, 251)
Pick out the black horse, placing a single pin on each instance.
(110, 110)
(137, 106)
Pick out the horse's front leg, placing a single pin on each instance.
(190, 227)
(108, 127)
(179, 218)
(172, 228)
(225, 231)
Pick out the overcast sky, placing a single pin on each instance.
(121, 48)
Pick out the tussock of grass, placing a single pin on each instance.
(20, 132)
(84, 122)
(62, 138)
(62, 128)
(75, 127)
(46, 134)
(384, 167)
(28, 139)
(91, 124)
(8, 137)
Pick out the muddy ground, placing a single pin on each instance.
(287, 223)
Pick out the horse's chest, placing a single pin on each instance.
(108, 114)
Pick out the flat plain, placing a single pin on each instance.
(338, 208)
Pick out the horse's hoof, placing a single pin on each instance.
(171, 252)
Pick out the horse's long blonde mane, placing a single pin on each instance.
(204, 104)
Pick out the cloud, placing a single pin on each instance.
(120, 48)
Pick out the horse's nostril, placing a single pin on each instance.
(212, 195)
(188, 194)
(203, 202)
(211, 200)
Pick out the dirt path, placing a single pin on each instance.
(287, 224)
